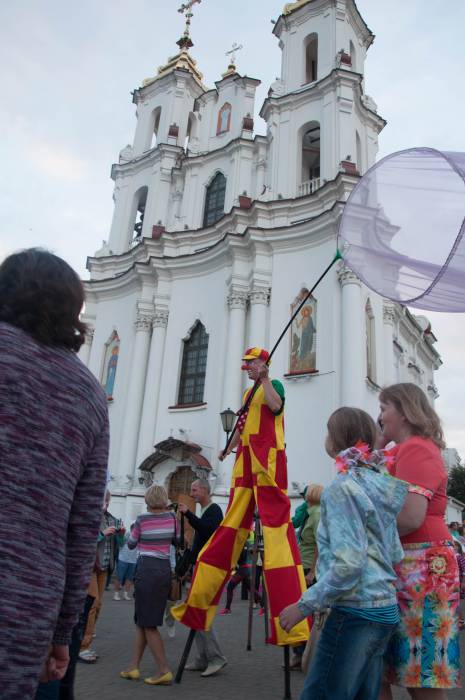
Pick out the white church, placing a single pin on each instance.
(216, 232)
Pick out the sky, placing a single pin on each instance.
(66, 111)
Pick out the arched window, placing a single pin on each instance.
(370, 341)
(310, 174)
(191, 131)
(224, 119)
(353, 55)
(194, 366)
(140, 201)
(214, 200)
(311, 58)
(155, 123)
(110, 363)
(358, 144)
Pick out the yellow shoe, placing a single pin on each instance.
(132, 675)
(165, 679)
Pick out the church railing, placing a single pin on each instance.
(309, 186)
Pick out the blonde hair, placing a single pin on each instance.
(156, 497)
(412, 403)
(313, 495)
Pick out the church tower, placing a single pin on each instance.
(319, 120)
(165, 122)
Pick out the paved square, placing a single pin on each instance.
(255, 675)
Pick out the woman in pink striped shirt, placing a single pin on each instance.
(152, 533)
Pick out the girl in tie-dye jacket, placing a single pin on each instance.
(358, 546)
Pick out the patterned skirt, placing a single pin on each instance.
(424, 651)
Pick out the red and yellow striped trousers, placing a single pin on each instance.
(259, 480)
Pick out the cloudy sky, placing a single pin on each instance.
(68, 70)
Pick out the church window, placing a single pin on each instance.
(224, 119)
(310, 145)
(140, 202)
(311, 58)
(370, 342)
(358, 144)
(194, 366)
(110, 363)
(155, 123)
(353, 56)
(214, 200)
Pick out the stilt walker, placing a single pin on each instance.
(259, 480)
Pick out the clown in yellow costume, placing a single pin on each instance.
(259, 480)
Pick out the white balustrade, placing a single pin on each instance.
(309, 186)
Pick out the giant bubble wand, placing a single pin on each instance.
(402, 229)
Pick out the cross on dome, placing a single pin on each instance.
(186, 9)
(183, 60)
(233, 50)
(232, 61)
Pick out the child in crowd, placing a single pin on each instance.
(358, 546)
(125, 569)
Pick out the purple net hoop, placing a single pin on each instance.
(402, 229)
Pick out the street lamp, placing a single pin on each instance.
(228, 419)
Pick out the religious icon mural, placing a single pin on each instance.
(303, 335)
(224, 119)
(110, 363)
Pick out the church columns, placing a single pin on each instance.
(353, 339)
(152, 386)
(232, 391)
(388, 336)
(130, 431)
(259, 300)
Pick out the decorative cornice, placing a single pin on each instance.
(346, 276)
(237, 299)
(260, 295)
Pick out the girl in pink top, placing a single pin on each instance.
(424, 653)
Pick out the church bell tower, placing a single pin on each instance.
(319, 119)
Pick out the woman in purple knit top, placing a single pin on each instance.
(53, 461)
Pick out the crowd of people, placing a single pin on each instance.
(383, 572)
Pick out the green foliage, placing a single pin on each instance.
(456, 484)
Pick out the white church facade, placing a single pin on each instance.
(216, 232)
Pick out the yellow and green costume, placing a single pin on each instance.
(259, 480)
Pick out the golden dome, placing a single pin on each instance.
(291, 6)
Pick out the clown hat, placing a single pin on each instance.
(256, 353)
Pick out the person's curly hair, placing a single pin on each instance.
(41, 294)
